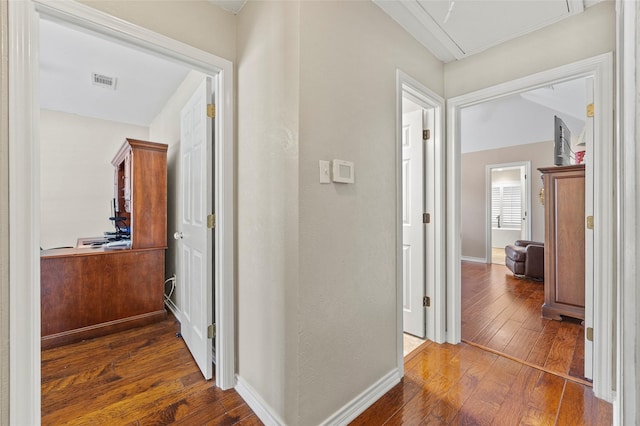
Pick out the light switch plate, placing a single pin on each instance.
(325, 177)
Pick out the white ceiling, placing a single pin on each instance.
(454, 29)
(232, 6)
(68, 57)
(524, 118)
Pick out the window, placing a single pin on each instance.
(506, 205)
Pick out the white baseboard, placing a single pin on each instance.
(257, 404)
(473, 259)
(343, 416)
(360, 403)
(174, 309)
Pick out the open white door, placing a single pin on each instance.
(413, 251)
(196, 158)
(588, 235)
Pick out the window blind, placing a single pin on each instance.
(506, 206)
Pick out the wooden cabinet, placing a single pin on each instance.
(564, 274)
(88, 292)
(141, 191)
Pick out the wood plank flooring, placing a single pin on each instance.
(502, 313)
(465, 385)
(144, 376)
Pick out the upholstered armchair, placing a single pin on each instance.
(525, 259)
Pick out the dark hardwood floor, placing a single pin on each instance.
(503, 314)
(144, 376)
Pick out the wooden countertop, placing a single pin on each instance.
(88, 250)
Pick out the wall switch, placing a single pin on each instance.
(325, 177)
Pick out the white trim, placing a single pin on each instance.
(173, 308)
(600, 68)
(24, 223)
(360, 403)
(343, 416)
(474, 259)
(24, 190)
(264, 411)
(94, 20)
(625, 407)
(436, 324)
(414, 18)
(527, 197)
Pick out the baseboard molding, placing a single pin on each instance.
(360, 403)
(174, 309)
(263, 410)
(473, 259)
(102, 329)
(343, 416)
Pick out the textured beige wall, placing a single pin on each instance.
(473, 191)
(349, 54)
(582, 36)
(267, 191)
(306, 318)
(4, 220)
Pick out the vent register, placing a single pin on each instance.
(103, 81)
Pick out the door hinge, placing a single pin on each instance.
(589, 222)
(211, 331)
(211, 111)
(211, 221)
(426, 301)
(590, 110)
(426, 134)
(590, 334)
(426, 218)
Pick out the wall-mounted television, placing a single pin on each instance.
(561, 143)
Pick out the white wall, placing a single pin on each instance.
(76, 175)
(4, 220)
(349, 54)
(582, 36)
(267, 191)
(165, 128)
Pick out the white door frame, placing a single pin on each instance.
(527, 197)
(24, 188)
(600, 68)
(436, 314)
(625, 408)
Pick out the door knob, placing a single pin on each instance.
(177, 235)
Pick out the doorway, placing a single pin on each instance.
(509, 195)
(24, 146)
(517, 130)
(599, 203)
(420, 215)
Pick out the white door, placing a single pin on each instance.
(588, 235)
(195, 285)
(413, 252)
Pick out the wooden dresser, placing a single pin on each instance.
(88, 292)
(564, 242)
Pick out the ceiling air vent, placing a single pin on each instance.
(103, 81)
